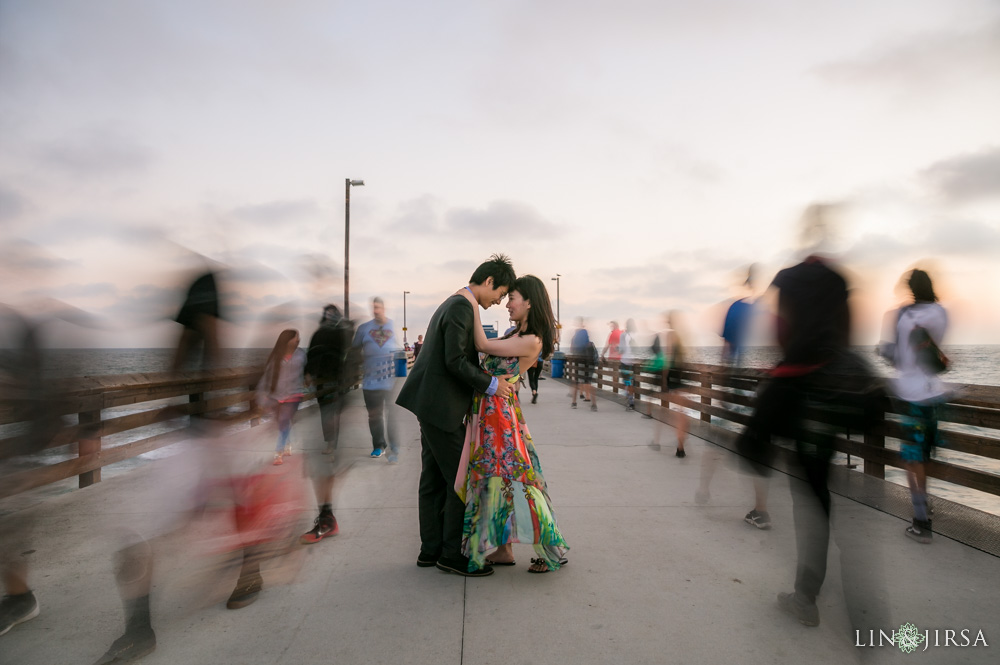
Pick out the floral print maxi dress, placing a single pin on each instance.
(505, 495)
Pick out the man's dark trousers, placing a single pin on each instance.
(382, 419)
(441, 511)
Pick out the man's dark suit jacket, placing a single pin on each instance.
(440, 386)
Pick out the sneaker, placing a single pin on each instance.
(920, 531)
(277, 460)
(287, 452)
(630, 408)
(680, 453)
(806, 612)
(759, 519)
(325, 525)
(573, 405)
(593, 407)
(534, 398)
(17, 609)
(377, 452)
(460, 566)
(132, 645)
(393, 458)
(246, 591)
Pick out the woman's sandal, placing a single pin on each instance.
(541, 562)
(490, 562)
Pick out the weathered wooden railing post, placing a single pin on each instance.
(706, 384)
(89, 444)
(615, 367)
(875, 437)
(255, 419)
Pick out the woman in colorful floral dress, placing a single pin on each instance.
(499, 477)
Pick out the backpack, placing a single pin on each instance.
(929, 355)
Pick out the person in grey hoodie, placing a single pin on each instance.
(915, 354)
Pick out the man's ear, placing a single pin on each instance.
(489, 283)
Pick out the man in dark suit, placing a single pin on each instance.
(439, 391)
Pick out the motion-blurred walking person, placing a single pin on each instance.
(916, 354)
(377, 341)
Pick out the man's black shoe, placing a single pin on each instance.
(460, 566)
(425, 560)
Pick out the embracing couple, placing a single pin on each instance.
(481, 486)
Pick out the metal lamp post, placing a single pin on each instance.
(348, 183)
(404, 317)
(558, 314)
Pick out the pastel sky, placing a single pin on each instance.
(646, 150)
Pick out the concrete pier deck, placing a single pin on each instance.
(652, 576)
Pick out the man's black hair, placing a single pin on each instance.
(499, 268)
(331, 313)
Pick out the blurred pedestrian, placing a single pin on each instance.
(199, 315)
(611, 347)
(261, 503)
(417, 346)
(534, 372)
(736, 327)
(672, 351)
(327, 370)
(916, 355)
(281, 389)
(735, 332)
(24, 390)
(583, 352)
(377, 341)
(818, 373)
(629, 363)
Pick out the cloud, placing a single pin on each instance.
(967, 177)
(12, 204)
(939, 237)
(144, 303)
(964, 238)
(276, 212)
(72, 230)
(25, 259)
(420, 215)
(502, 218)
(85, 290)
(95, 153)
(660, 282)
(926, 63)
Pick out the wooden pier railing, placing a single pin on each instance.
(81, 422)
(79, 412)
(712, 391)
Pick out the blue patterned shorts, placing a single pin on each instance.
(920, 433)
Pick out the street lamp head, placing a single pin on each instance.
(357, 183)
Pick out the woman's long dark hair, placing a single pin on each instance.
(921, 286)
(540, 319)
(277, 353)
